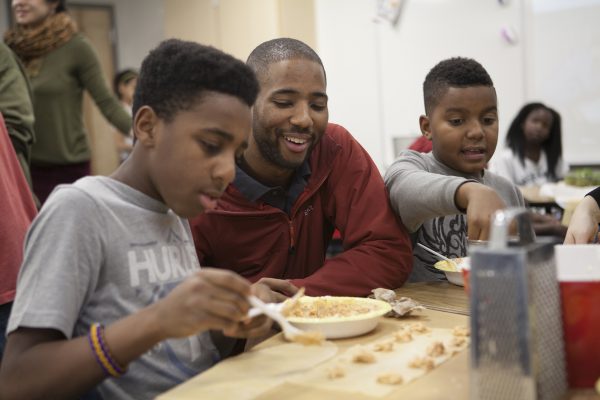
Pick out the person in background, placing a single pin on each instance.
(583, 227)
(534, 148)
(533, 157)
(110, 277)
(16, 107)
(17, 209)
(300, 178)
(124, 87)
(422, 145)
(60, 64)
(447, 196)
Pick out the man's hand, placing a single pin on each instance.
(481, 202)
(275, 290)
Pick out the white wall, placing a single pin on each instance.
(375, 71)
(565, 71)
(139, 26)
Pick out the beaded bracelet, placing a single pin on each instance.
(100, 349)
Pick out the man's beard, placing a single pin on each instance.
(270, 150)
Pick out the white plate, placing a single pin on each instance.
(343, 326)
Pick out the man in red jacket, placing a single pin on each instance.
(299, 179)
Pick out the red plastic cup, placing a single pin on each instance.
(466, 271)
(579, 277)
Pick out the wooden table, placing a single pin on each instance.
(450, 377)
(440, 296)
(447, 307)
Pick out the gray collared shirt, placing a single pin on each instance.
(276, 196)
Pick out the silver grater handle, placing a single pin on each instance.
(501, 221)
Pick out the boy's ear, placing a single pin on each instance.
(144, 126)
(425, 126)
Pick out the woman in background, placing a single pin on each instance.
(60, 64)
(534, 148)
(124, 87)
(533, 157)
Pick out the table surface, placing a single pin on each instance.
(450, 377)
(447, 307)
(440, 296)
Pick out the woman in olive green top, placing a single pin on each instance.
(61, 64)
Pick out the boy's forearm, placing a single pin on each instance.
(40, 363)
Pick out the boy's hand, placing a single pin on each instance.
(481, 202)
(276, 290)
(257, 326)
(209, 299)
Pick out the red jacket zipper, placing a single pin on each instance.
(292, 248)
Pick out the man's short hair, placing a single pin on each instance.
(280, 49)
(454, 72)
(177, 73)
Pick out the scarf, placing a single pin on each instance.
(31, 44)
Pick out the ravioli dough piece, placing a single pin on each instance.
(336, 372)
(436, 349)
(403, 336)
(425, 363)
(390, 378)
(363, 356)
(461, 331)
(386, 346)
(458, 341)
(418, 327)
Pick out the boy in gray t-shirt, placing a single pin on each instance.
(446, 196)
(117, 251)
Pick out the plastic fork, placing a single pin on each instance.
(440, 256)
(273, 311)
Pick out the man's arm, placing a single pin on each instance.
(90, 73)
(583, 226)
(378, 252)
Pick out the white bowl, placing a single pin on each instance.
(452, 274)
(336, 327)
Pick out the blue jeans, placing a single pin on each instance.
(4, 314)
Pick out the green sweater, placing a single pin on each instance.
(15, 106)
(57, 102)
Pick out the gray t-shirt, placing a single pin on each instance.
(98, 251)
(422, 191)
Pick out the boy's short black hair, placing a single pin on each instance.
(454, 72)
(176, 73)
(280, 49)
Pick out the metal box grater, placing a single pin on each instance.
(517, 346)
